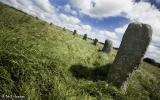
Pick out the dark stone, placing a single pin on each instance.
(51, 23)
(108, 47)
(85, 37)
(130, 54)
(64, 29)
(37, 18)
(75, 32)
(95, 41)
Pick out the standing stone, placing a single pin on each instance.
(36, 17)
(51, 23)
(95, 41)
(85, 37)
(108, 46)
(64, 29)
(130, 54)
(75, 32)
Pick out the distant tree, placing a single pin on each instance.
(101, 43)
(151, 61)
(115, 48)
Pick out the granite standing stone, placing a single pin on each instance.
(95, 41)
(75, 32)
(64, 29)
(85, 37)
(108, 47)
(130, 54)
(51, 23)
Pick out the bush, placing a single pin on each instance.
(115, 48)
(151, 61)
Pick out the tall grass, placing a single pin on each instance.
(42, 61)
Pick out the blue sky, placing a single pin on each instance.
(102, 19)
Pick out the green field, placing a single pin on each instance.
(43, 62)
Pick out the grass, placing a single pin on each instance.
(43, 62)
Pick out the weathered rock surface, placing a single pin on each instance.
(85, 37)
(108, 47)
(64, 29)
(130, 54)
(95, 41)
(75, 32)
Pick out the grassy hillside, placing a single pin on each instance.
(42, 61)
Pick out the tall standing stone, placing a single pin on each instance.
(64, 29)
(108, 47)
(95, 41)
(130, 54)
(51, 23)
(85, 37)
(75, 32)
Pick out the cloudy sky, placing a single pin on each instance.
(102, 19)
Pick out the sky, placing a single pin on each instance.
(101, 19)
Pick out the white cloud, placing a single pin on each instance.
(44, 5)
(102, 8)
(158, 1)
(67, 8)
(154, 51)
(23, 2)
(108, 34)
(45, 11)
(74, 12)
(81, 29)
(69, 19)
(102, 37)
(121, 30)
(87, 27)
(81, 4)
(42, 9)
(116, 43)
(141, 11)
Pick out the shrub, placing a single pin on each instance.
(151, 61)
(115, 48)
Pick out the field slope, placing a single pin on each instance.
(43, 62)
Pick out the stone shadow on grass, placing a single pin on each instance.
(94, 74)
